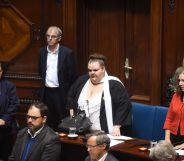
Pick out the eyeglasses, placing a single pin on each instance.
(92, 146)
(32, 117)
(51, 36)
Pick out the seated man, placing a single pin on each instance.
(163, 151)
(98, 144)
(36, 142)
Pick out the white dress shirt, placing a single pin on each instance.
(52, 69)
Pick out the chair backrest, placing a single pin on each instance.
(143, 120)
(148, 121)
(160, 115)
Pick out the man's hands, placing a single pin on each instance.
(2, 122)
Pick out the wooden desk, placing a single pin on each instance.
(130, 150)
(74, 150)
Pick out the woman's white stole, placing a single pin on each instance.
(108, 101)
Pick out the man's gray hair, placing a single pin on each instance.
(163, 151)
(57, 29)
(101, 138)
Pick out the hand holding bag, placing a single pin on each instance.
(80, 121)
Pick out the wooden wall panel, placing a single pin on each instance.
(15, 32)
(125, 29)
(173, 44)
(106, 32)
(23, 70)
(145, 31)
(156, 50)
(42, 14)
(138, 49)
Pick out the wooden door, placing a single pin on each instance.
(124, 30)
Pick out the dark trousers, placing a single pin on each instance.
(177, 139)
(56, 105)
(6, 142)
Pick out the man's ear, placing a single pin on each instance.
(104, 146)
(103, 68)
(59, 38)
(44, 119)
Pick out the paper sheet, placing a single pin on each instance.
(123, 138)
(115, 142)
(117, 139)
(180, 152)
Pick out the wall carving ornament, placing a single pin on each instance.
(15, 32)
(171, 5)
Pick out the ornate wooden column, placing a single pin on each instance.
(155, 49)
(70, 23)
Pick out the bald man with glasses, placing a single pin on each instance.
(36, 142)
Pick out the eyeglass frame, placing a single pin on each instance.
(33, 118)
(52, 36)
(93, 146)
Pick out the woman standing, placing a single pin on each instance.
(174, 123)
(8, 108)
(104, 99)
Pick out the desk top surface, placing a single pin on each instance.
(130, 147)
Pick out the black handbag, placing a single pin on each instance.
(80, 121)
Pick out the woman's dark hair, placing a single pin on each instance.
(97, 58)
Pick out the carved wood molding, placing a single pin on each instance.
(140, 98)
(171, 5)
(28, 101)
(23, 76)
(16, 32)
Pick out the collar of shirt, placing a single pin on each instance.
(103, 157)
(36, 133)
(55, 51)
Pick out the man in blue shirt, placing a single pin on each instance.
(36, 142)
